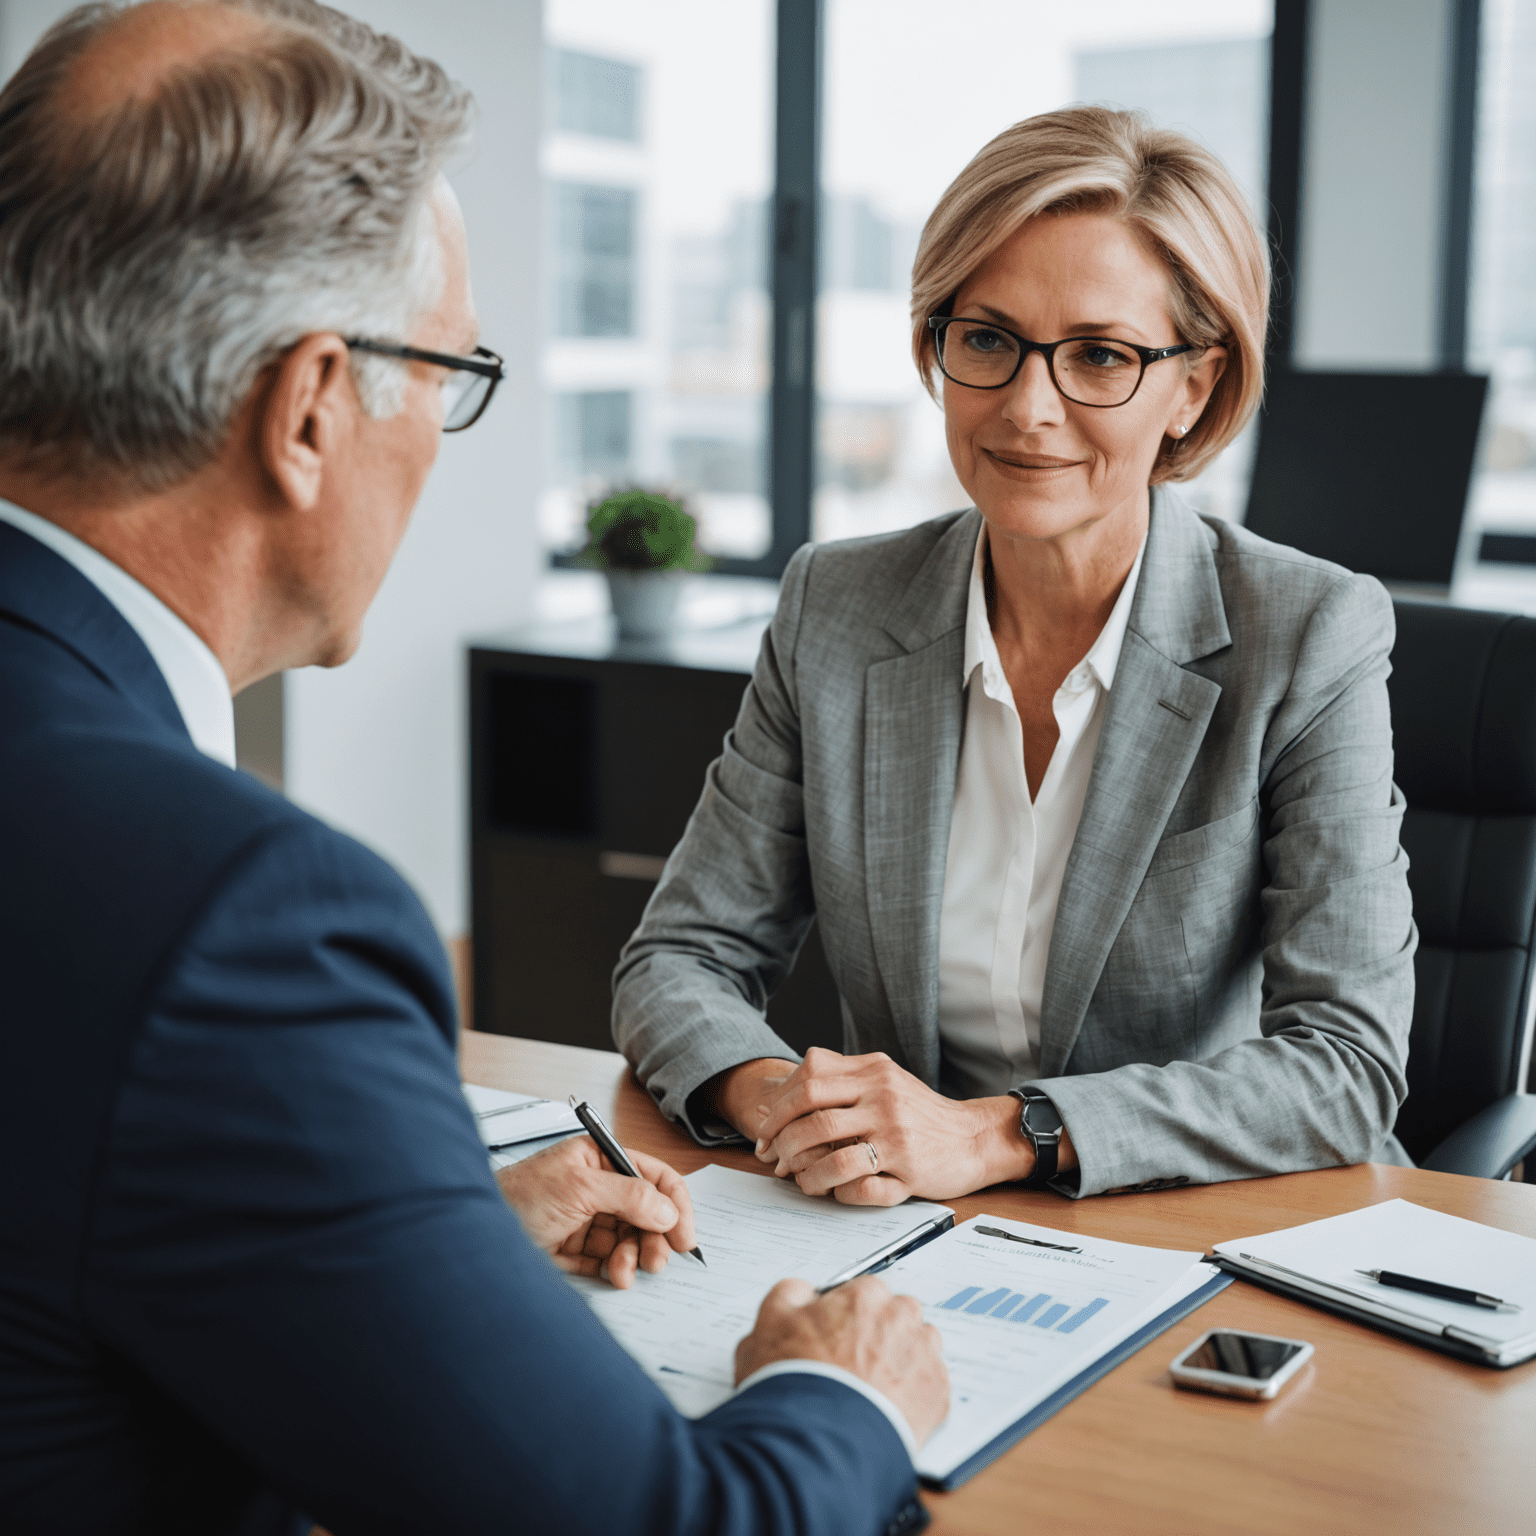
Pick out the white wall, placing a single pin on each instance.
(1368, 281)
(22, 22)
(377, 747)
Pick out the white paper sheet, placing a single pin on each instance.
(1413, 1240)
(506, 1119)
(1019, 1321)
(683, 1325)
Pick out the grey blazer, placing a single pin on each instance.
(1230, 978)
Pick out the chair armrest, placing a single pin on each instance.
(1489, 1144)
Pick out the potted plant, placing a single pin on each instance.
(643, 542)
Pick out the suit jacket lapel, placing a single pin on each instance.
(1154, 723)
(45, 592)
(913, 716)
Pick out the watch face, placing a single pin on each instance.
(1041, 1117)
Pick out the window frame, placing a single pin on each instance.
(1287, 138)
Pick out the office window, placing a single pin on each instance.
(592, 433)
(595, 96)
(1503, 309)
(659, 159)
(904, 111)
(594, 260)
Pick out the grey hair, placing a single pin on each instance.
(156, 258)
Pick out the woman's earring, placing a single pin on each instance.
(1181, 430)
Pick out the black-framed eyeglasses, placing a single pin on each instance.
(1089, 370)
(470, 383)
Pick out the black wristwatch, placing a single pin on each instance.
(1042, 1127)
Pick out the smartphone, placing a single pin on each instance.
(1233, 1364)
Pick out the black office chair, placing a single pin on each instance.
(1463, 692)
(1340, 470)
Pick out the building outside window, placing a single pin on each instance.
(595, 96)
(658, 159)
(592, 434)
(1503, 309)
(594, 230)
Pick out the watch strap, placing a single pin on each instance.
(1047, 1144)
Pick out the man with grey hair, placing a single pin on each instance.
(252, 1259)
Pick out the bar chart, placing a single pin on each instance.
(1038, 1310)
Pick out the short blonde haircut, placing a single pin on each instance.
(1175, 194)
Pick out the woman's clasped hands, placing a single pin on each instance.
(868, 1132)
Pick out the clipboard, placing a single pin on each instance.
(1435, 1341)
(1316, 1262)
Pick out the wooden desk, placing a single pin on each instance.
(1378, 1435)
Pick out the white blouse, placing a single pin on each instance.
(1007, 855)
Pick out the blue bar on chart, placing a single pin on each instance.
(1010, 1306)
(1082, 1315)
(959, 1299)
(990, 1300)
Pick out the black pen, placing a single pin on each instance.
(1435, 1288)
(615, 1154)
(1034, 1242)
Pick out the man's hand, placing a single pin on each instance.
(863, 1129)
(585, 1216)
(881, 1338)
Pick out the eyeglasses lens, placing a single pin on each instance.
(1097, 372)
(1089, 370)
(464, 395)
(977, 355)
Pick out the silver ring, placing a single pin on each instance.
(874, 1157)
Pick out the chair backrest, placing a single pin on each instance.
(1341, 473)
(1463, 692)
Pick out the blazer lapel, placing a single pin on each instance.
(1154, 723)
(913, 716)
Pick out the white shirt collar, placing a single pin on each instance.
(191, 671)
(981, 649)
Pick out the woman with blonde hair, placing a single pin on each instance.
(1091, 796)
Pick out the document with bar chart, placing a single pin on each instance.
(683, 1325)
(1025, 1311)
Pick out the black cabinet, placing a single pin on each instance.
(587, 756)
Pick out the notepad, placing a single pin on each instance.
(506, 1119)
(1026, 1327)
(1316, 1262)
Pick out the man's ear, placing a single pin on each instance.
(310, 410)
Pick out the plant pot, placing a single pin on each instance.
(645, 602)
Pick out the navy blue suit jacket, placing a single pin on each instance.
(252, 1258)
